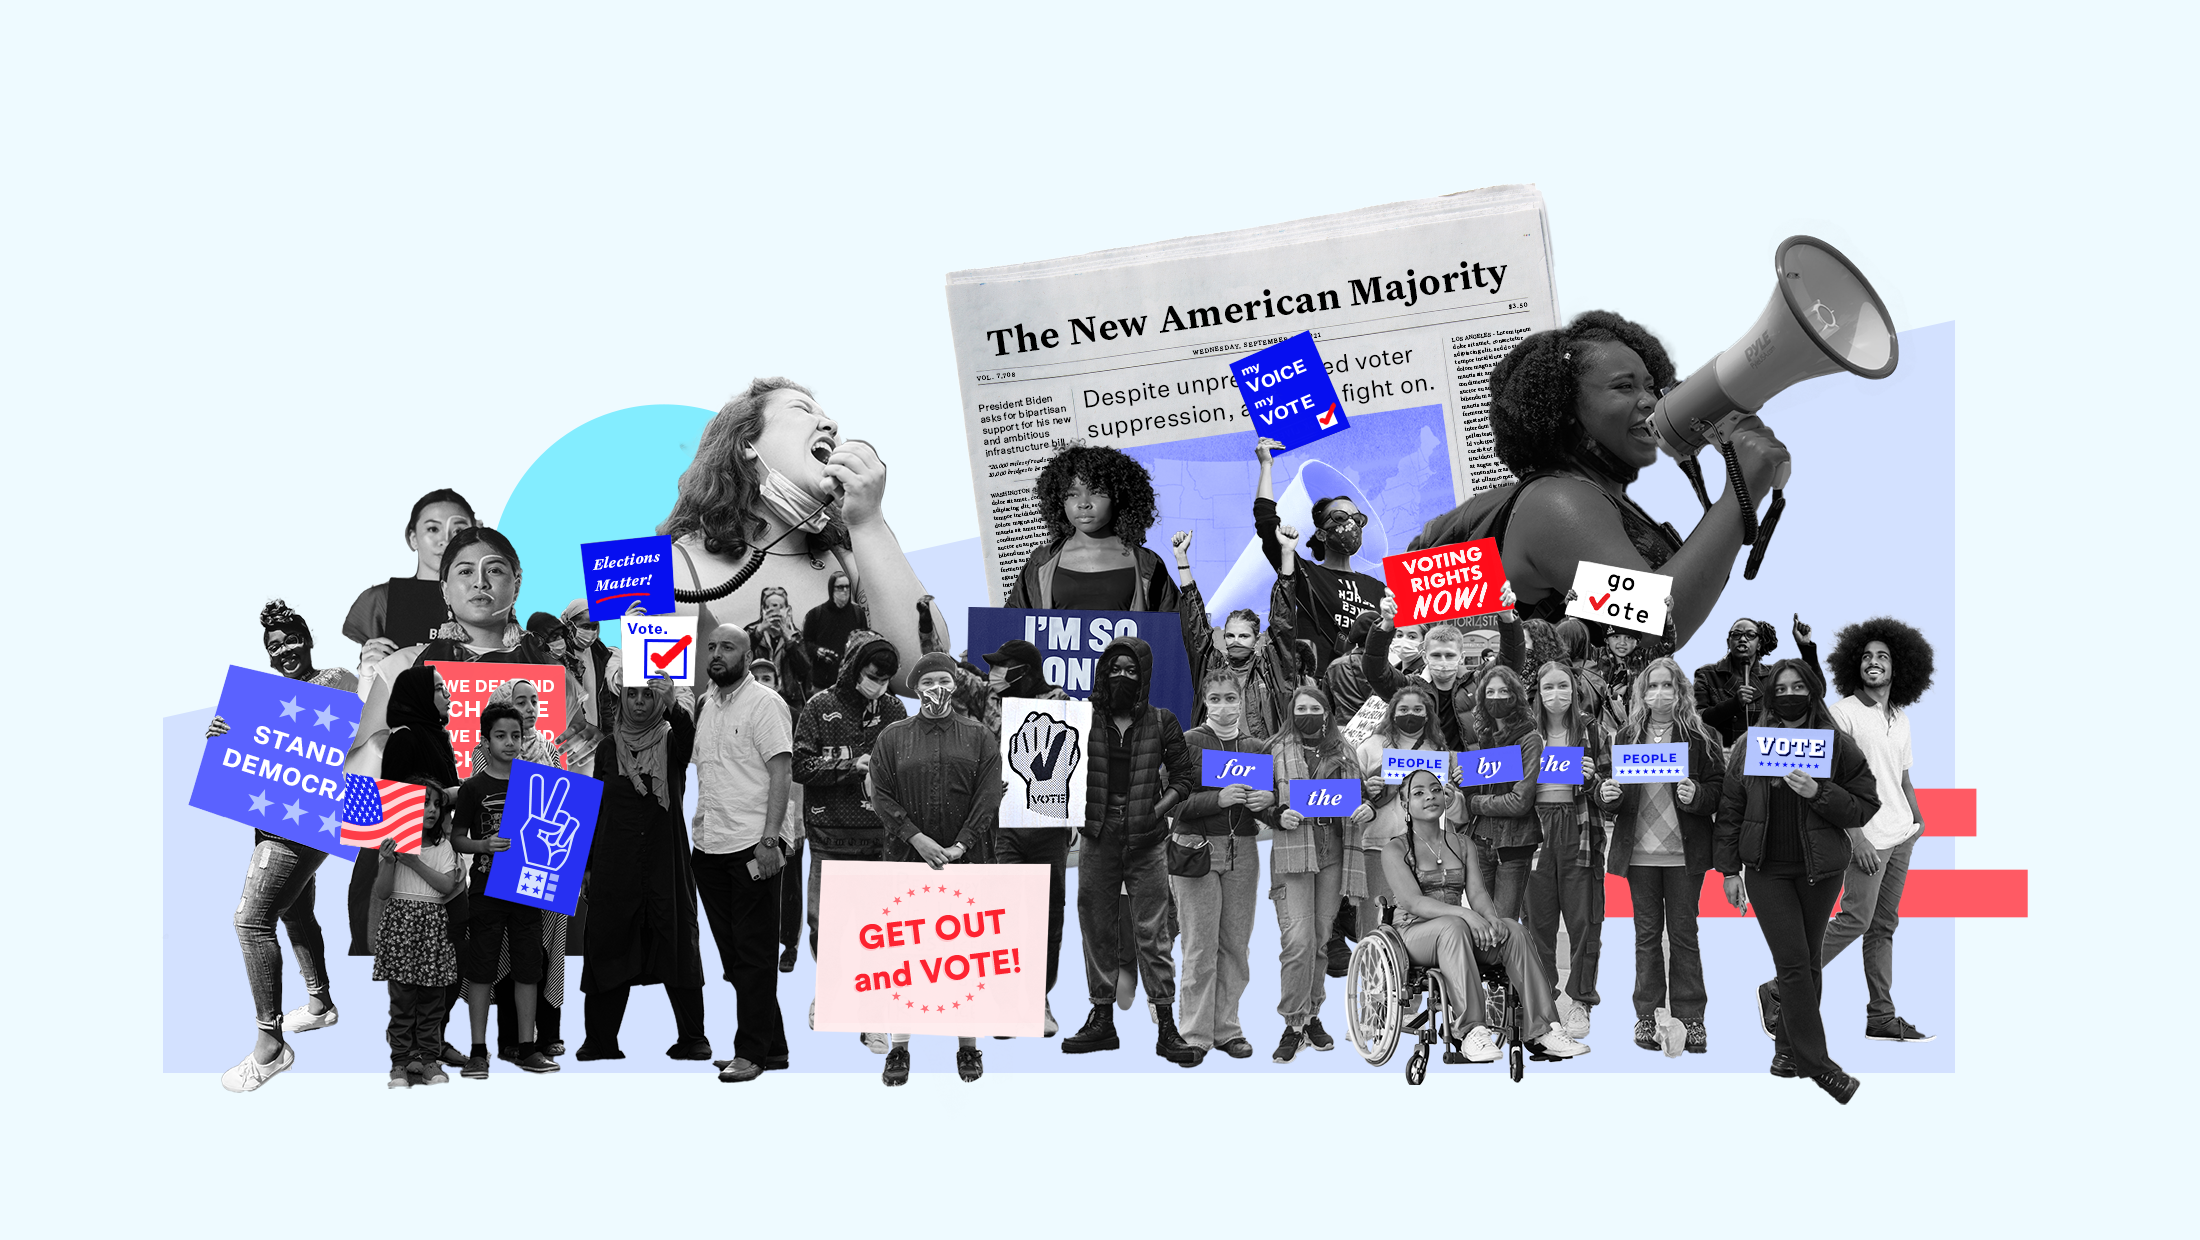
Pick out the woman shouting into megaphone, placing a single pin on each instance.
(1570, 413)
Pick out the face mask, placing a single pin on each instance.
(936, 699)
(789, 502)
(1660, 701)
(1791, 707)
(1308, 726)
(871, 690)
(1557, 700)
(1501, 709)
(1411, 725)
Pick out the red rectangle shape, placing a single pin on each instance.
(1447, 582)
(1949, 811)
(1927, 893)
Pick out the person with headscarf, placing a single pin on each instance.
(1307, 862)
(587, 662)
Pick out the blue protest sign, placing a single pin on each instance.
(1288, 393)
(550, 817)
(281, 766)
(1561, 765)
(1776, 751)
(1399, 763)
(1649, 764)
(1490, 766)
(1070, 643)
(1220, 768)
(624, 571)
(1325, 798)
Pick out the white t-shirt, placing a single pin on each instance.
(735, 739)
(1885, 741)
(441, 858)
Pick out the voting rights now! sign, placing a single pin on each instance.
(281, 766)
(1288, 393)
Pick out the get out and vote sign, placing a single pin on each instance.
(1445, 583)
(905, 948)
(1776, 751)
(1221, 768)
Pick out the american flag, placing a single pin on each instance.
(380, 809)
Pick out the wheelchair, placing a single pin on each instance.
(1388, 997)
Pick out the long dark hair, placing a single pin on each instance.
(1819, 716)
(718, 490)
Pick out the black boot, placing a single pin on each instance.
(1097, 1035)
(1168, 1043)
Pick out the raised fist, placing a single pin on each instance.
(1045, 751)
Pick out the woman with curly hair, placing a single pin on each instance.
(1570, 413)
(1098, 504)
(1880, 666)
(290, 649)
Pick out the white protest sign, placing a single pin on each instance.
(664, 647)
(1363, 725)
(1629, 598)
(1044, 743)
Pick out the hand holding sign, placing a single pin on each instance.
(1288, 393)
(1630, 598)
(546, 837)
(1445, 583)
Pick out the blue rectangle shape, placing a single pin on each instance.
(555, 812)
(1561, 765)
(1399, 763)
(1221, 768)
(1500, 765)
(1650, 764)
(1776, 751)
(280, 767)
(624, 571)
(1325, 798)
(1070, 643)
(1288, 394)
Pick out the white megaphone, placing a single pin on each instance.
(1823, 317)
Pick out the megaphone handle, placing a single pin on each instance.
(1694, 470)
(1740, 488)
(1764, 534)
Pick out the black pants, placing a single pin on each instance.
(604, 1010)
(790, 900)
(744, 922)
(1049, 847)
(416, 1024)
(546, 1017)
(1792, 912)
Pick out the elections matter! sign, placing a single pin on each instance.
(1399, 763)
(280, 767)
(1070, 643)
(1649, 764)
(1776, 751)
(1045, 742)
(626, 571)
(472, 684)
(905, 948)
(1629, 598)
(555, 812)
(1447, 582)
(1287, 390)
(1325, 798)
(1222, 768)
(1500, 765)
(663, 647)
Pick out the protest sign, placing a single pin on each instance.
(1070, 643)
(626, 571)
(280, 767)
(1650, 764)
(1399, 763)
(1629, 598)
(1288, 393)
(1045, 743)
(1776, 751)
(383, 809)
(1364, 721)
(1325, 798)
(472, 684)
(1500, 765)
(1222, 768)
(905, 948)
(555, 812)
(1447, 582)
(1561, 765)
(663, 647)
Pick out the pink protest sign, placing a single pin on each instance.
(471, 685)
(905, 948)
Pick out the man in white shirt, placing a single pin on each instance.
(1882, 665)
(744, 762)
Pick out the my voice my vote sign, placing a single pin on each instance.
(1287, 390)
(1447, 582)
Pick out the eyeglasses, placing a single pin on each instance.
(1338, 520)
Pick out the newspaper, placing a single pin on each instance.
(1410, 304)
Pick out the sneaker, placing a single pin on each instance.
(1699, 1039)
(1097, 1035)
(531, 1059)
(877, 1043)
(1053, 1026)
(1481, 1046)
(508, 1053)
(1339, 953)
(1236, 1048)
(1782, 1066)
(305, 1020)
(736, 1071)
(969, 1063)
(1126, 988)
(1646, 1034)
(400, 1079)
(1894, 1029)
(476, 1069)
(251, 1074)
(1574, 1015)
(1288, 1048)
(1839, 1084)
(555, 1049)
(787, 959)
(1768, 1010)
(1317, 1036)
(689, 1048)
(451, 1057)
(1556, 1045)
(590, 1053)
(430, 1073)
(897, 1066)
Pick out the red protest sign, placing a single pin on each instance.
(1445, 583)
(905, 948)
(471, 685)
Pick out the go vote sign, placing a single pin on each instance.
(1776, 751)
(1490, 766)
(1287, 390)
(280, 767)
(550, 817)
(1399, 763)
(1629, 598)
(1649, 764)
(960, 950)
(1325, 798)
(1221, 768)
(1445, 583)
(626, 571)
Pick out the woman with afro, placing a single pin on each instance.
(1098, 504)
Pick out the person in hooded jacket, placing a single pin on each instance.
(832, 759)
(1308, 866)
(826, 628)
(1016, 670)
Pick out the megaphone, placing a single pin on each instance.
(1823, 317)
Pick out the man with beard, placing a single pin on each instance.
(832, 759)
(1138, 769)
(1016, 670)
(744, 763)
(1263, 671)
(825, 630)
(1326, 592)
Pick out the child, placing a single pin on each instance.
(490, 922)
(412, 948)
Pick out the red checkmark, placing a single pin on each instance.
(665, 659)
(1597, 603)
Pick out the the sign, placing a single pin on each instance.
(660, 648)
(1500, 765)
(1325, 798)
(281, 765)
(1650, 764)
(905, 948)
(1629, 598)
(1222, 768)
(1399, 763)
(1776, 751)
(626, 571)
(1044, 742)
(471, 685)
(1446, 583)
(1287, 391)
(384, 809)
(1070, 643)
(556, 815)
(1561, 765)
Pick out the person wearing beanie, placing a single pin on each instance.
(1017, 671)
(1214, 875)
(1263, 669)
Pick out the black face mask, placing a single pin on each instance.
(1501, 709)
(1791, 707)
(1411, 725)
(1308, 726)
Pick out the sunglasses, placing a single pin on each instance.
(1339, 520)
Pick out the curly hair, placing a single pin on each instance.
(1913, 658)
(1112, 473)
(278, 615)
(719, 489)
(500, 710)
(1532, 391)
(1768, 637)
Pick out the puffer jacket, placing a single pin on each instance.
(837, 727)
(1160, 761)
(1844, 803)
(1504, 814)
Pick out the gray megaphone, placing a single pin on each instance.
(1823, 317)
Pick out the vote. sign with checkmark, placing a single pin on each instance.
(1630, 598)
(659, 647)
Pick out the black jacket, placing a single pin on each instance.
(1160, 761)
(836, 728)
(1844, 803)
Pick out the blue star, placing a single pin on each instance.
(259, 803)
(323, 718)
(293, 812)
(290, 708)
(355, 731)
(328, 824)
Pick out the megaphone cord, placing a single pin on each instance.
(1740, 487)
(748, 570)
(1694, 470)
(1764, 534)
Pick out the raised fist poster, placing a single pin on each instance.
(905, 948)
(1043, 747)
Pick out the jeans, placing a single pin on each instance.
(1046, 846)
(1665, 899)
(1560, 884)
(790, 903)
(1306, 905)
(278, 885)
(1447, 943)
(1791, 913)
(1871, 907)
(1215, 911)
(416, 1024)
(1508, 876)
(744, 922)
(1105, 865)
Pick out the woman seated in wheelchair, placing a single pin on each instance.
(1436, 883)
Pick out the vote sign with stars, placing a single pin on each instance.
(280, 767)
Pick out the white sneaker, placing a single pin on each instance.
(1480, 1046)
(251, 1074)
(1053, 1026)
(813, 1016)
(1574, 1016)
(1556, 1045)
(304, 1019)
(877, 1043)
